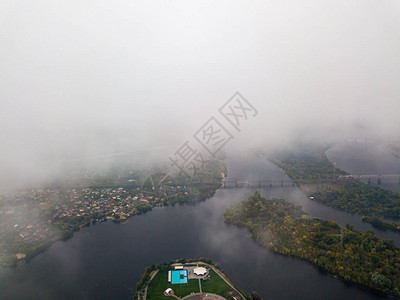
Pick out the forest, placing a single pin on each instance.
(355, 256)
(318, 178)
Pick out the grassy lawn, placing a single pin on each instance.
(159, 284)
(215, 285)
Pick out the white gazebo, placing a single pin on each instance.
(200, 271)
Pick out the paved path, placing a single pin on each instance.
(145, 290)
(210, 296)
(220, 274)
(200, 285)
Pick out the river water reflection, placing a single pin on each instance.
(105, 261)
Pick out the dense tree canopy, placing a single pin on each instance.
(317, 177)
(355, 256)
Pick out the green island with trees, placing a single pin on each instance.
(354, 256)
(315, 175)
(154, 282)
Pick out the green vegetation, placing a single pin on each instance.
(380, 224)
(159, 283)
(317, 177)
(355, 256)
(215, 285)
(31, 221)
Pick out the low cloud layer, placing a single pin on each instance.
(85, 80)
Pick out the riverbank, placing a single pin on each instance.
(105, 261)
(354, 256)
(320, 180)
(32, 221)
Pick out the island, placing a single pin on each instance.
(309, 167)
(191, 279)
(354, 256)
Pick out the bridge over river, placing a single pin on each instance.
(374, 178)
(369, 179)
(235, 183)
(319, 179)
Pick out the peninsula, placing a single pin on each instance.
(189, 279)
(354, 256)
(33, 220)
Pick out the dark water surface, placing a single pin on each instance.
(106, 260)
(367, 159)
(364, 158)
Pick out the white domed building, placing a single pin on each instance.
(200, 271)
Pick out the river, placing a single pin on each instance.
(105, 261)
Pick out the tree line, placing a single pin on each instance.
(355, 256)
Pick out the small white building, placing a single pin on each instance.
(200, 271)
(168, 291)
(178, 267)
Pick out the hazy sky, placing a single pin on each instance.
(83, 78)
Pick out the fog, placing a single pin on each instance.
(85, 80)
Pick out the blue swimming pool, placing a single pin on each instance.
(179, 276)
